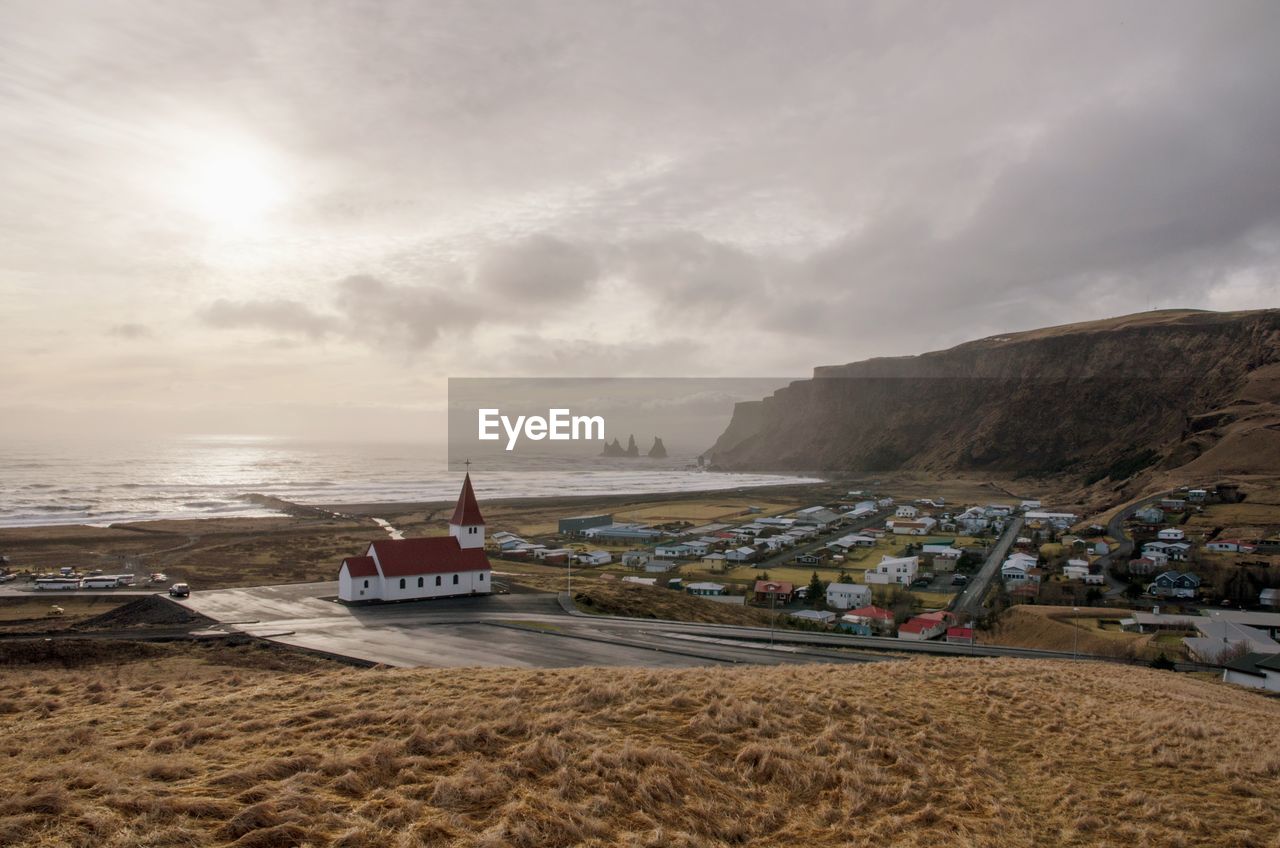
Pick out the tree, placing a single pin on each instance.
(817, 592)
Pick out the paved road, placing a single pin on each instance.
(1124, 545)
(524, 630)
(534, 630)
(787, 557)
(969, 602)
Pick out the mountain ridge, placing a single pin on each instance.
(1095, 401)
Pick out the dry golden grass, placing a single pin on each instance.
(1060, 629)
(181, 750)
(613, 597)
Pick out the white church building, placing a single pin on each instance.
(427, 567)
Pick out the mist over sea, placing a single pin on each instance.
(206, 476)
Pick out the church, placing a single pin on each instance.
(428, 567)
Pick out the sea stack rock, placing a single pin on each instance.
(659, 450)
(632, 448)
(614, 448)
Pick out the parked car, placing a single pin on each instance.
(179, 590)
(959, 580)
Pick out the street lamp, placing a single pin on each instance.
(773, 596)
(1075, 635)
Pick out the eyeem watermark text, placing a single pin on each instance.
(560, 425)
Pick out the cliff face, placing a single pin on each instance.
(1098, 400)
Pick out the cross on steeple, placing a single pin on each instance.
(468, 464)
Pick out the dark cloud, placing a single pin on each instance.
(539, 269)
(279, 316)
(384, 314)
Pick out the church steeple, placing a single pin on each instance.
(467, 524)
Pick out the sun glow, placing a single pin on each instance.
(234, 189)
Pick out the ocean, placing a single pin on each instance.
(207, 476)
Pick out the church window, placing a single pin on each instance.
(437, 579)
(401, 582)
(455, 580)
(482, 575)
(419, 582)
(366, 584)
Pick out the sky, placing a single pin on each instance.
(302, 218)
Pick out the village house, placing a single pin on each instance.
(636, 559)
(906, 511)
(424, 567)
(672, 551)
(706, 589)
(893, 570)
(1150, 515)
(742, 554)
(843, 596)
(867, 621)
(774, 592)
(1171, 534)
(1257, 671)
(1173, 584)
(920, 527)
(815, 616)
(960, 635)
(595, 558)
(817, 516)
(1229, 546)
(921, 629)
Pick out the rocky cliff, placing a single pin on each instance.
(1097, 401)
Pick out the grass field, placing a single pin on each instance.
(1060, 629)
(214, 749)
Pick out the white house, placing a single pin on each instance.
(706, 589)
(816, 616)
(845, 596)
(818, 516)
(1258, 671)
(1229, 546)
(919, 527)
(740, 554)
(899, 570)
(674, 551)
(428, 567)
(906, 511)
(595, 558)
(1171, 534)
(1075, 569)
(1029, 505)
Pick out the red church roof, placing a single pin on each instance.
(430, 555)
(361, 566)
(468, 511)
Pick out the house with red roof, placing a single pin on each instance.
(426, 567)
(778, 592)
(867, 621)
(921, 629)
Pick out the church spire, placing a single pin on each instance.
(467, 512)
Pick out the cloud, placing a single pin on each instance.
(384, 314)
(279, 315)
(540, 269)
(130, 331)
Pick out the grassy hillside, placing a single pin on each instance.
(1060, 629)
(171, 749)
(613, 597)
